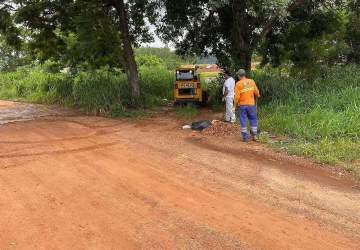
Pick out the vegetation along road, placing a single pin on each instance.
(74, 182)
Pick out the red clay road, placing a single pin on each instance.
(77, 182)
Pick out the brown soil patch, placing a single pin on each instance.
(77, 182)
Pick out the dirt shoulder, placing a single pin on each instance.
(75, 182)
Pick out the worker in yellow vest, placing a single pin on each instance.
(245, 93)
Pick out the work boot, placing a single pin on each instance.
(245, 137)
(254, 136)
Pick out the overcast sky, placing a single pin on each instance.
(157, 43)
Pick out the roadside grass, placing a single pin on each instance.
(340, 152)
(187, 112)
(95, 92)
(320, 119)
(119, 111)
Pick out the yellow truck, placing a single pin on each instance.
(191, 83)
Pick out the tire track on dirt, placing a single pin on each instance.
(61, 152)
(98, 130)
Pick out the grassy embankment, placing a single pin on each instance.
(100, 91)
(320, 118)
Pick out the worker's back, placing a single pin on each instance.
(245, 92)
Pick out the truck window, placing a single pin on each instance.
(184, 75)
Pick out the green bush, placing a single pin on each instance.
(215, 91)
(168, 57)
(149, 61)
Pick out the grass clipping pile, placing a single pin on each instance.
(221, 129)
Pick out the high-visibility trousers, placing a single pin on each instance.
(248, 113)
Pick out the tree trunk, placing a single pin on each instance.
(129, 62)
(241, 37)
(242, 58)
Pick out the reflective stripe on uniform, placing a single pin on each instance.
(247, 90)
(243, 130)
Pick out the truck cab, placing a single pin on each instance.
(187, 86)
(191, 82)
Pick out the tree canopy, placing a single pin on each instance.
(88, 34)
(281, 31)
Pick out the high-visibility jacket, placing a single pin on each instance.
(245, 92)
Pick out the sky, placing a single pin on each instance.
(157, 43)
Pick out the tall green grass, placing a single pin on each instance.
(99, 91)
(35, 86)
(320, 118)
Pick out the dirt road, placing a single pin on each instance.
(77, 182)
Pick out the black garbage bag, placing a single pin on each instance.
(200, 125)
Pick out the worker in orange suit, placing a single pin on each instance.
(246, 93)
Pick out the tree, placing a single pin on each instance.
(312, 35)
(92, 32)
(11, 58)
(128, 61)
(10, 33)
(229, 29)
(232, 30)
(353, 31)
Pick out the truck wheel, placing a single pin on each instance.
(180, 104)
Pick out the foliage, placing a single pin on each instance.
(215, 91)
(309, 39)
(320, 118)
(99, 91)
(169, 58)
(84, 34)
(305, 36)
(149, 61)
(231, 30)
(156, 84)
(94, 40)
(8, 30)
(352, 35)
(11, 58)
(35, 86)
